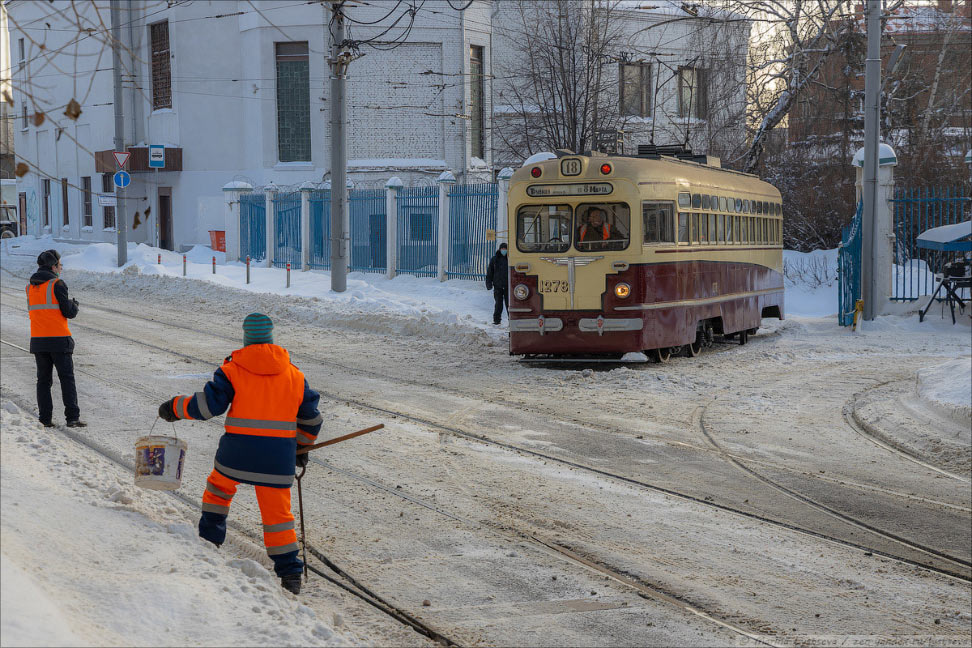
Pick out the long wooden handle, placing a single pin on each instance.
(340, 439)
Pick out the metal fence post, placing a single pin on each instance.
(503, 190)
(232, 191)
(392, 189)
(446, 181)
(270, 194)
(305, 192)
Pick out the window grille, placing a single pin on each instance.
(46, 189)
(293, 102)
(161, 71)
(65, 211)
(108, 213)
(476, 94)
(86, 201)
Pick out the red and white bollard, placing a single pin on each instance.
(247, 268)
(183, 265)
(160, 258)
(288, 275)
(214, 265)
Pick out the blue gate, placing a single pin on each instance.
(418, 231)
(472, 211)
(253, 226)
(368, 230)
(916, 210)
(286, 229)
(320, 230)
(849, 269)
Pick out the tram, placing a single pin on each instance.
(656, 253)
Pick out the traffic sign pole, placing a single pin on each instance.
(116, 68)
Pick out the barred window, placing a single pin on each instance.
(108, 213)
(86, 201)
(46, 190)
(161, 74)
(65, 211)
(293, 102)
(477, 94)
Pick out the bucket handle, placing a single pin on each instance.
(157, 419)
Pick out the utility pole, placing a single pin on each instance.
(872, 91)
(339, 152)
(120, 225)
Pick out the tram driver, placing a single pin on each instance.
(596, 228)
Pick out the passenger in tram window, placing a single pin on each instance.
(596, 228)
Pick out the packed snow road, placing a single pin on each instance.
(708, 501)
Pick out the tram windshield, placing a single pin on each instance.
(591, 227)
(543, 228)
(602, 226)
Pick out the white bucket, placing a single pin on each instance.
(158, 462)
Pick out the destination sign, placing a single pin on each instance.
(576, 189)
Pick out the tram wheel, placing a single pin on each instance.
(661, 356)
(694, 348)
(743, 337)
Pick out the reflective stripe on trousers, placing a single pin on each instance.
(279, 534)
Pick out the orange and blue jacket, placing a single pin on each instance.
(272, 410)
(49, 308)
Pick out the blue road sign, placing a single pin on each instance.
(156, 156)
(122, 179)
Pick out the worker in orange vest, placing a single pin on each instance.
(273, 413)
(595, 229)
(49, 308)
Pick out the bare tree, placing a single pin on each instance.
(555, 92)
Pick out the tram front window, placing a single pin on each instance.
(543, 228)
(602, 226)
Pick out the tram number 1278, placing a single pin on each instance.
(552, 286)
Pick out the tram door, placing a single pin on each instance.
(165, 218)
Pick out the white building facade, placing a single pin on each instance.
(238, 91)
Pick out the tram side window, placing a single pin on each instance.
(737, 228)
(543, 228)
(684, 200)
(696, 201)
(683, 228)
(721, 237)
(698, 228)
(729, 229)
(712, 229)
(722, 204)
(602, 226)
(657, 221)
(705, 201)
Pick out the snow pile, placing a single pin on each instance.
(810, 281)
(948, 387)
(89, 559)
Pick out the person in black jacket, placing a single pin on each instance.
(49, 309)
(497, 281)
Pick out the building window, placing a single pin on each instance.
(46, 192)
(22, 61)
(161, 74)
(86, 201)
(23, 115)
(636, 89)
(108, 213)
(65, 212)
(691, 92)
(476, 94)
(293, 103)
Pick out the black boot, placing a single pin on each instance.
(77, 423)
(291, 583)
(47, 423)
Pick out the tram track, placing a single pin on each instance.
(963, 567)
(349, 583)
(579, 421)
(356, 588)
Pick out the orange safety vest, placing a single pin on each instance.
(44, 311)
(605, 228)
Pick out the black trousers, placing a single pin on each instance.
(501, 299)
(64, 362)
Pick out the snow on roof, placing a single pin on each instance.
(886, 156)
(539, 157)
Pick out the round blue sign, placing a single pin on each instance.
(122, 179)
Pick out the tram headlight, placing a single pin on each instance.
(622, 290)
(521, 291)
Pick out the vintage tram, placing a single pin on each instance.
(655, 253)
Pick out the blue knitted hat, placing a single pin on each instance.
(257, 329)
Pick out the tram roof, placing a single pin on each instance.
(687, 171)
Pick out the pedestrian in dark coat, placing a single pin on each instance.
(497, 280)
(49, 308)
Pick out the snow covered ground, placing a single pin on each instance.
(133, 539)
(88, 559)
